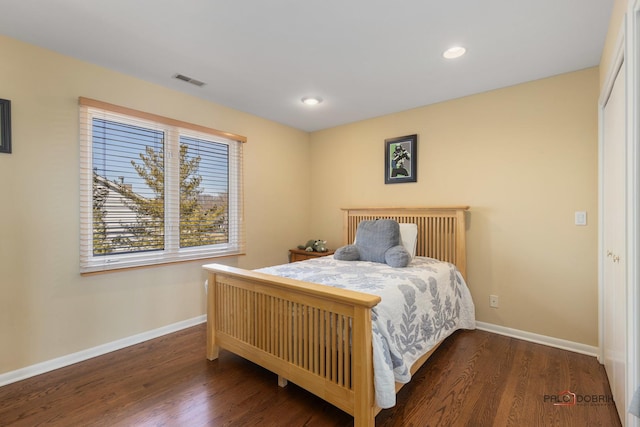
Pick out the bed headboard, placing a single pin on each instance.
(441, 230)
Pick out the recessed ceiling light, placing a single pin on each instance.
(311, 100)
(454, 52)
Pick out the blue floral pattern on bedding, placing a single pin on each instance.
(421, 305)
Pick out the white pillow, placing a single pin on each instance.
(409, 237)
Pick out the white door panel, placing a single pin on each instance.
(614, 242)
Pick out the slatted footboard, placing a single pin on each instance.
(316, 336)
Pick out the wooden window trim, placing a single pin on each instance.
(88, 102)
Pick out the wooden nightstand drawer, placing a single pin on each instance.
(301, 254)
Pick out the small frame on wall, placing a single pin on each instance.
(5, 126)
(400, 156)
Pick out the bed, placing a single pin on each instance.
(322, 337)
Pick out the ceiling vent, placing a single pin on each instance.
(189, 80)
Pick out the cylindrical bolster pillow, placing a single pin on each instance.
(397, 256)
(347, 253)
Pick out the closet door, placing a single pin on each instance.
(614, 242)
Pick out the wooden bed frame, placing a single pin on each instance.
(301, 331)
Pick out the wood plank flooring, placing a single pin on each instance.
(474, 379)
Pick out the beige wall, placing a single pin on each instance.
(525, 159)
(47, 309)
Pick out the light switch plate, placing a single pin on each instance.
(581, 218)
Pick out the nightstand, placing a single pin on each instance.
(301, 254)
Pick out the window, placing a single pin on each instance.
(156, 190)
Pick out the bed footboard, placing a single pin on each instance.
(318, 337)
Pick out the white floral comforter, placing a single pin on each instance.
(421, 305)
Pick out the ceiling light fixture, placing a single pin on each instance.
(311, 100)
(454, 52)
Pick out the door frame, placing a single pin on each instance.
(632, 53)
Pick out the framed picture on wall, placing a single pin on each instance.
(5, 126)
(400, 156)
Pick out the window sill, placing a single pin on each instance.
(116, 269)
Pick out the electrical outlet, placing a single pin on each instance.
(494, 301)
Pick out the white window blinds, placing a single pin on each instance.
(156, 190)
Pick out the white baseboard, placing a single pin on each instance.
(70, 359)
(539, 339)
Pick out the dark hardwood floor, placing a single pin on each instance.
(474, 379)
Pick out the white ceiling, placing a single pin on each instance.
(365, 58)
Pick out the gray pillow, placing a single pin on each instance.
(397, 256)
(347, 253)
(373, 238)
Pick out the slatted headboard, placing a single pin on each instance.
(441, 230)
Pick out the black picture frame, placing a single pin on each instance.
(400, 159)
(5, 126)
